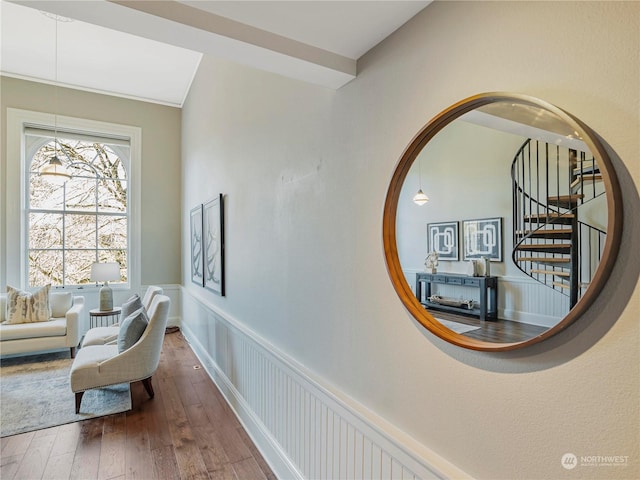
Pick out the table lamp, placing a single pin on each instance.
(105, 272)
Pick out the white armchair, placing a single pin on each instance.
(98, 366)
(108, 335)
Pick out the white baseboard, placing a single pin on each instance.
(174, 292)
(302, 427)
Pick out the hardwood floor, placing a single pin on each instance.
(187, 431)
(499, 331)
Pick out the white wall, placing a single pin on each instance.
(160, 196)
(304, 171)
(466, 172)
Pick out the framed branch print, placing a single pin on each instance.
(482, 238)
(213, 233)
(442, 238)
(197, 261)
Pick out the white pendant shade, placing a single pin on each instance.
(420, 198)
(55, 171)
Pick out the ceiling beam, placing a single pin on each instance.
(188, 27)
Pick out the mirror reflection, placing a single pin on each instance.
(512, 225)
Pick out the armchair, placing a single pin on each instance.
(98, 366)
(107, 335)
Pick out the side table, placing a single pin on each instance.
(103, 318)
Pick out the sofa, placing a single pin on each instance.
(61, 331)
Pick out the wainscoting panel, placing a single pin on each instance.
(302, 428)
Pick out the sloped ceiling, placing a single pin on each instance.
(151, 50)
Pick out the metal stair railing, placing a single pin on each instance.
(549, 184)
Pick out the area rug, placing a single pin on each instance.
(35, 394)
(457, 327)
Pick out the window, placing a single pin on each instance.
(84, 220)
(95, 216)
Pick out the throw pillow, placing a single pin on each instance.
(131, 329)
(26, 307)
(134, 303)
(60, 303)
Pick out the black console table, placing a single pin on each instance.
(488, 286)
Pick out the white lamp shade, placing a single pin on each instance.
(105, 272)
(420, 198)
(55, 172)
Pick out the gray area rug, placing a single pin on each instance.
(457, 327)
(35, 394)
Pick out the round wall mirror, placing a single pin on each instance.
(502, 222)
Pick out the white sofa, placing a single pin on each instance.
(62, 332)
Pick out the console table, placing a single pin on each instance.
(488, 286)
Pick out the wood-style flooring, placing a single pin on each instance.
(498, 331)
(187, 431)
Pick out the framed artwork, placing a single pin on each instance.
(442, 238)
(482, 238)
(197, 262)
(213, 231)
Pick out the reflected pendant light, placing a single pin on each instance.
(54, 170)
(420, 198)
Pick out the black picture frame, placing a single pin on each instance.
(482, 238)
(197, 258)
(214, 245)
(442, 238)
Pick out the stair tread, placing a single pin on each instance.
(586, 169)
(573, 196)
(567, 286)
(553, 218)
(546, 233)
(544, 259)
(565, 201)
(558, 273)
(550, 215)
(542, 232)
(533, 246)
(557, 248)
(586, 177)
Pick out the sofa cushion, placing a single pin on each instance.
(18, 331)
(134, 303)
(25, 307)
(131, 329)
(60, 303)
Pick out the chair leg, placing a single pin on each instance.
(78, 401)
(148, 387)
(73, 352)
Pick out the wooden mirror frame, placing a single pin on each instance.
(614, 219)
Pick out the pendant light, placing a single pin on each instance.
(54, 170)
(420, 198)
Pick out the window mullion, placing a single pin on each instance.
(97, 186)
(64, 235)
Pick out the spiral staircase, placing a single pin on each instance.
(555, 190)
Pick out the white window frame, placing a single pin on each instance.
(17, 192)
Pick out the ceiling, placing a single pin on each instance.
(151, 50)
